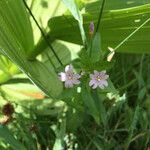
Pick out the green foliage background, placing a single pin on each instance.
(47, 116)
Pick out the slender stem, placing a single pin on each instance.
(43, 34)
(100, 15)
(131, 34)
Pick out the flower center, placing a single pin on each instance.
(70, 77)
(98, 78)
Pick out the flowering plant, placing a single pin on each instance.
(85, 94)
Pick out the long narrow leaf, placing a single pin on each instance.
(11, 46)
(77, 15)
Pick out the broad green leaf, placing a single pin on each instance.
(66, 53)
(45, 78)
(7, 136)
(29, 96)
(12, 47)
(70, 4)
(22, 91)
(15, 18)
(117, 4)
(116, 25)
(43, 10)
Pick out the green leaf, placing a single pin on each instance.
(65, 51)
(11, 46)
(70, 4)
(116, 25)
(90, 104)
(100, 107)
(15, 20)
(7, 136)
(95, 48)
(43, 10)
(45, 78)
(7, 69)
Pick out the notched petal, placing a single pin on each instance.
(69, 68)
(62, 76)
(68, 84)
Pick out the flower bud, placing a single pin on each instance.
(91, 28)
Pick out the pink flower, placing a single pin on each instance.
(69, 77)
(99, 79)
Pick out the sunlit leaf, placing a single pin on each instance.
(95, 52)
(115, 26)
(13, 48)
(77, 15)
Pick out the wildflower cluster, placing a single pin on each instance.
(97, 78)
(70, 78)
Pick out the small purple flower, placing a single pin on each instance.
(69, 77)
(99, 79)
(91, 28)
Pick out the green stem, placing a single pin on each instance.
(132, 34)
(100, 15)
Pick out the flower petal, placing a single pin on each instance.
(95, 86)
(77, 76)
(69, 68)
(62, 76)
(92, 82)
(104, 82)
(106, 77)
(76, 81)
(68, 84)
(101, 86)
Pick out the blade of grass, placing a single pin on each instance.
(100, 15)
(132, 34)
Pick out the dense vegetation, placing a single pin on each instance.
(74, 74)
